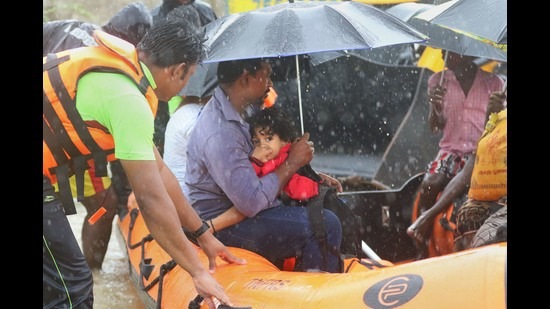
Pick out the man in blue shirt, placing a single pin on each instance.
(219, 175)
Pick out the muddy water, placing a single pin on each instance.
(112, 285)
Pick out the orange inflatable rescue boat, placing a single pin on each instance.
(475, 278)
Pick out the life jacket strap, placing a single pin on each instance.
(65, 194)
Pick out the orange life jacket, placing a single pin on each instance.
(69, 141)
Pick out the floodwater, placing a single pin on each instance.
(112, 285)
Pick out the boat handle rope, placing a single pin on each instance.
(146, 268)
(164, 268)
(133, 216)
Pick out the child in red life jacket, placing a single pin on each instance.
(272, 135)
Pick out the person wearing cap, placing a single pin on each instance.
(130, 23)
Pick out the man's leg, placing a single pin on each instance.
(67, 280)
(96, 236)
(283, 232)
(121, 186)
(98, 192)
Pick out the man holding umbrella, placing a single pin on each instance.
(220, 175)
(458, 99)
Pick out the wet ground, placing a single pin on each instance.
(112, 285)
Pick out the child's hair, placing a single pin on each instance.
(274, 120)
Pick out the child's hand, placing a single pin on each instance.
(261, 153)
(332, 182)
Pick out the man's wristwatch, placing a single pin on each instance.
(204, 227)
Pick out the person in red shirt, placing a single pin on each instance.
(272, 134)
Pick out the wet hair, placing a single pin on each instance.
(173, 41)
(272, 121)
(186, 12)
(229, 71)
(130, 23)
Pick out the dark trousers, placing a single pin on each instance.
(67, 281)
(283, 232)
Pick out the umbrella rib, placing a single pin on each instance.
(340, 14)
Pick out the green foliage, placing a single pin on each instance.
(66, 11)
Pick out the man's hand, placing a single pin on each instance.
(213, 248)
(301, 151)
(496, 103)
(208, 287)
(436, 98)
(420, 232)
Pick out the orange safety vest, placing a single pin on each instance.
(69, 141)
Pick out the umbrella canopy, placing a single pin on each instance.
(299, 28)
(202, 83)
(402, 54)
(417, 15)
(405, 11)
(448, 39)
(309, 27)
(484, 18)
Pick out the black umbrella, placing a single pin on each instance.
(202, 83)
(298, 28)
(458, 42)
(484, 18)
(417, 15)
(402, 54)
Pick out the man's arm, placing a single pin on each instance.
(189, 218)
(436, 118)
(165, 210)
(160, 214)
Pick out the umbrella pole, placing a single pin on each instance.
(444, 64)
(299, 94)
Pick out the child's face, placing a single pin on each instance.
(266, 147)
